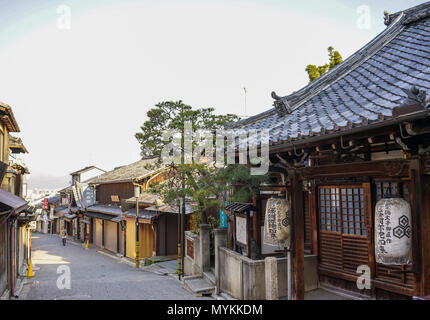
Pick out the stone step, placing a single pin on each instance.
(199, 286)
(210, 277)
(226, 296)
(192, 277)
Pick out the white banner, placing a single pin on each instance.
(276, 225)
(393, 232)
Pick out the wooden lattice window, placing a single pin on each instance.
(342, 210)
(396, 188)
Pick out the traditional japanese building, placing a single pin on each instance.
(113, 218)
(357, 134)
(69, 214)
(14, 239)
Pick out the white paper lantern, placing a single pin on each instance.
(276, 226)
(393, 231)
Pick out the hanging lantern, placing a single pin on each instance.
(393, 233)
(276, 226)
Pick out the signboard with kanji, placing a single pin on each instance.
(84, 195)
(45, 204)
(89, 196)
(223, 222)
(65, 200)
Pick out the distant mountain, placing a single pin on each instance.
(44, 181)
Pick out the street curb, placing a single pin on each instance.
(120, 259)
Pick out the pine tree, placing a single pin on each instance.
(314, 72)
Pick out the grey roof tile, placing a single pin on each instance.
(363, 89)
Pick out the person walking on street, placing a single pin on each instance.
(64, 237)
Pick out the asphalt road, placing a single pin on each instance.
(92, 276)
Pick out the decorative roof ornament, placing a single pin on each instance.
(387, 19)
(415, 96)
(281, 105)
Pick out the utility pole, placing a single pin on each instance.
(183, 197)
(245, 92)
(179, 242)
(137, 194)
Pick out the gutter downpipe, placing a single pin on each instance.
(289, 280)
(12, 257)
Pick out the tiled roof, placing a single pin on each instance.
(103, 216)
(143, 214)
(16, 145)
(86, 169)
(113, 210)
(362, 90)
(240, 207)
(8, 117)
(54, 199)
(136, 170)
(145, 197)
(62, 209)
(167, 208)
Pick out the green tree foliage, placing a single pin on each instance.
(171, 115)
(207, 186)
(314, 72)
(204, 185)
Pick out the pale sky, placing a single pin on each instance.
(80, 94)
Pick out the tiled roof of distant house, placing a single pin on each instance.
(132, 172)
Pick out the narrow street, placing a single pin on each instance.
(93, 275)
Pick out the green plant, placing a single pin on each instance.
(314, 72)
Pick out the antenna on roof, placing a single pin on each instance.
(245, 92)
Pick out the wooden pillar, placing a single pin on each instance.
(425, 237)
(117, 237)
(103, 233)
(297, 235)
(155, 242)
(313, 218)
(417, 207)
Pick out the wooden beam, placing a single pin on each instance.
(394, 168)
(297, 236)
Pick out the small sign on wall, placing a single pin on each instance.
(65, 200)
(241, 235)
(114, 198)
(223, 222)
(190, 249)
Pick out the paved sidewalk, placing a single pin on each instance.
(93, 275)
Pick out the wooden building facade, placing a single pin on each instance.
(14, 236)
(116, 231)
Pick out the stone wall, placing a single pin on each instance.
(244, 279)
(192, 260)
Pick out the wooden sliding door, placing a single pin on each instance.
(344, 219)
